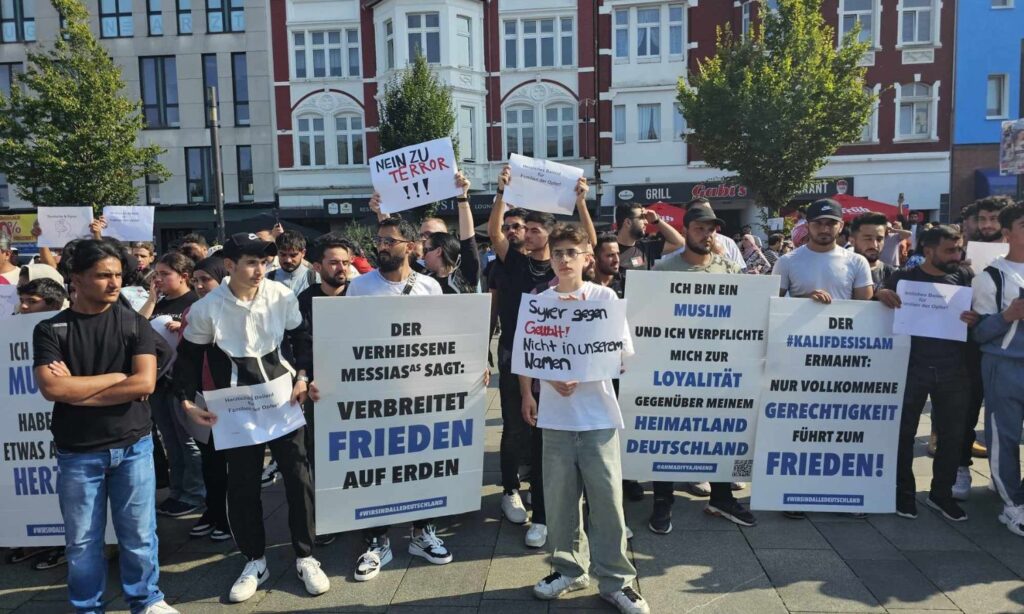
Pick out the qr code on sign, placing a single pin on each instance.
(742, 468)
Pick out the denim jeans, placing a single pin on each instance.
(183, 455)
(86, 481)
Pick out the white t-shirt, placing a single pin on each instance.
(837, 272)
(730, 251)
(374, 284)
(593, 405)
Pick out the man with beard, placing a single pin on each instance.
(514, 229)
(523, 272)
(292, 270)
(985, 219)
(868, 233)
(636, 252)
(194, 246)
(606, 264)
(937, 368)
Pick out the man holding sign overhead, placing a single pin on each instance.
(937, 368)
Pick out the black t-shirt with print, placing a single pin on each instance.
(641, 255)
(519, 275)
(174, 307)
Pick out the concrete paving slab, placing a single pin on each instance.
(974, 581)
(816, 580)
(897, 584)
(511, 577)
(928, 531)
(460, 583)
(774, 530)
(858, 540)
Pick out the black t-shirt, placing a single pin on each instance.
(174, 307)
(518, 275)
(881, 274)
(96, 345)
(927, 350)
(641, 255)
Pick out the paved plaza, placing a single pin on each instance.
(827, 563)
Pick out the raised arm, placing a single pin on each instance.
(498, 240)
(673, 239)
(586, 223)
(466, 228)
(375, 207)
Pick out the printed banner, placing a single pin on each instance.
(248, 415)
(59, 225)
(18, 228)
(689, 394)
(400, 423)
(28, 479)
(542, 185)
(567, 341)
(129, 223)
(931, 310)
(829, 415)
(1011, 147)
(416, 175)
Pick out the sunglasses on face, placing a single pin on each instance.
(508, 227)
(571, 254)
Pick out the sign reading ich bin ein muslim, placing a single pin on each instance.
(416, 175)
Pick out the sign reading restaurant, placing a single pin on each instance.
(680, 193)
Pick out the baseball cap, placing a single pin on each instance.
(247, 244)
(825, 208)
(702, 213)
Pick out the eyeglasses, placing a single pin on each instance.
(561, 254)
(387, 242)
(508, 227)
(425, 235)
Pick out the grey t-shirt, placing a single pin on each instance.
(838, 272)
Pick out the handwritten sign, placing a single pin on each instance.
(8, 301)
(248, 415)
(982, 254)
(542, 185)
(931, 310)
(569, 340)
(416, 175)
(58, 225)
(129, 223)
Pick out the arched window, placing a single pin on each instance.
(519, 131)
(349, 136)
(560, 125)
(915, 119)
(310, 132)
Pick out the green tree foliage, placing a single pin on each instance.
(774, 105)
(67, 132)
(416, 107)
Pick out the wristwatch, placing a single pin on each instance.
(301, 378)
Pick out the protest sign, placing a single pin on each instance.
(8, 301)
(689, 394)
(829, 416)
(58, 225)
(18, 228)
(776, 223)
(542, 185)
(129, 223)
(28, 481)
(159, 325)
(982, 254)
(1011, 147)
(248, 415)
(416, 175)
(931, 310)
(566, 341)
(400, 423)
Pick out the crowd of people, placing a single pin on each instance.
(137, 336)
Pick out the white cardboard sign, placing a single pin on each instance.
(982, 254)
(58, 225)
(416, 175)
(8, 301)
(931, 310)
(129, 223)
(248, 415)
(542, 185)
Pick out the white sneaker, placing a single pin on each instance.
(627, 601)
(377, 555)
(428, 545)
(1013, 518)
(160, 607)
(253, 575)
(556, 585)
(312, 576)
(629, 533)
(270, 474)
(537, 535)
(962, 487)
(513, 508)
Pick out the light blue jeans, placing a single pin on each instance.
(86, 481)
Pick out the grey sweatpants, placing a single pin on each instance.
(1004, 400)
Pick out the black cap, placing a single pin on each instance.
(247, 244)
(702, 213)
(825, 208)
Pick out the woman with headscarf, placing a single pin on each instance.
(756, 263)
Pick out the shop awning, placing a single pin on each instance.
(857, 205)
(988, 182)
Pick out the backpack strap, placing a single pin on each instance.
(997, 279)
(410, 283)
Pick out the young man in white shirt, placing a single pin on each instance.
(240, 327)
(580, 423)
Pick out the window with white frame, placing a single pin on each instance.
(389, 44)
(916, 19)
(467, 133)
(915, 111)
(1002, 4)
(745, 14)
(996, 98)
(867, 133)
(519, 127)
(649, 122)
(560, 124)
(349, 135)
(424, 30)
(852, 12)
(648, 32)
(676, 29)
(678, 122)
(530, 43)
(622, 33)
(326, 53)
(311, 139)
(463, 41)
(619, 123)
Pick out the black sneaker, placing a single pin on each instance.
(324, 540)
(175, 508)
(219, 535)
(632, 490)
(19, 555)
(56, 559)
(270, 474)
(906, 509)
(948, 508)
(731, 510)
(795, 515)
(202, 527)
(661, 517)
